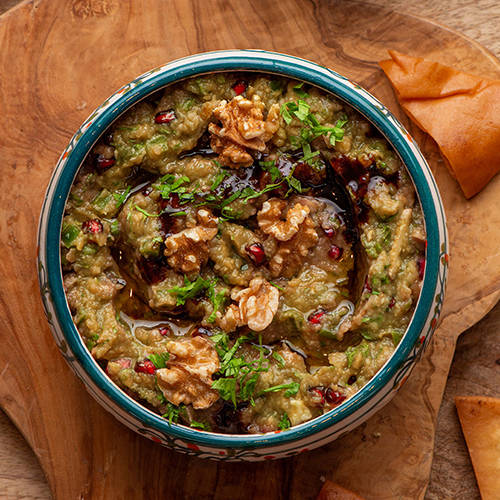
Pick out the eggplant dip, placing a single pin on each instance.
(241, 252)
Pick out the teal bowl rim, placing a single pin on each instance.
(255, 61)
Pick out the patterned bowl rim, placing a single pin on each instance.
(254, 61)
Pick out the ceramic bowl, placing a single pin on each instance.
(378, 392)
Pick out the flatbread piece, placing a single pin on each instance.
(461, 112)
(480, 420)
(332, 491)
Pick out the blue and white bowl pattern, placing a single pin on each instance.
(307, 436)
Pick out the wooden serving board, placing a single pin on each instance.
(60, 60)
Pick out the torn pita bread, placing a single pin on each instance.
(332, 491)
(480, 420)
(461, 112)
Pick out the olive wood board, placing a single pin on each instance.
(60, 60)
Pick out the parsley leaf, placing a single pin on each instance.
(235, 371)
(121, 197)
(279, 358)
(270, 166)
(173, 412)
(216, 301)
(147, 214)
(291, 389)
(220, 176)
(277, 286)
(204, 426)
(226, 388)
(190, 290)
(284, 423)
(169, 185)
(302, 110)
(286, 111)
(78, 201)
(396, 337)
(159, 360)
(300, 92)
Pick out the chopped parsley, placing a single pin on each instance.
(159, 360)
(78, 201)
(220, 176)
(313, 129)
(174, 412)
(300, 92)
(352, 351)
(204, 426)
(237, 376)
(190, 289)
(120, 197)
(216, 300)
(284, 423)
(277, 286)
(69, 234)
(270, 166)
(279, 358)
(385, 233)
(144, 212)
(291, 389)
(169, 185)
(396, 337)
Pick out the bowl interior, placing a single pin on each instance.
(265, 62)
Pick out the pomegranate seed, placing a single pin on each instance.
(93, 226)
(240, 87)
(319, 393)
(164, 331)
(315, 318)
(392, 303)
(103, 163)
(352, 379)
(147, 191)
(368, 287)
(333, 397)
(421, 268)
(145, 366)
(123, 362)
(329, 232)
(335, 252)
(164, 117)
(256, 253)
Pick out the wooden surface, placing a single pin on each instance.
(64, 56)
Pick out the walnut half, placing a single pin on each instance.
(243, 127)
(188, 376)
(270, 222)
(187, 251)
(257, 306)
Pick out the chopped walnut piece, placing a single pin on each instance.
(230, 153)
(270, 218)
(231, 319)
(258, 304)
(188, 376)
(187, 251)
(290, 254)
(243, 127)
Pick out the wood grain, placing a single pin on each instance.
(475, 371)
(63, 60)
